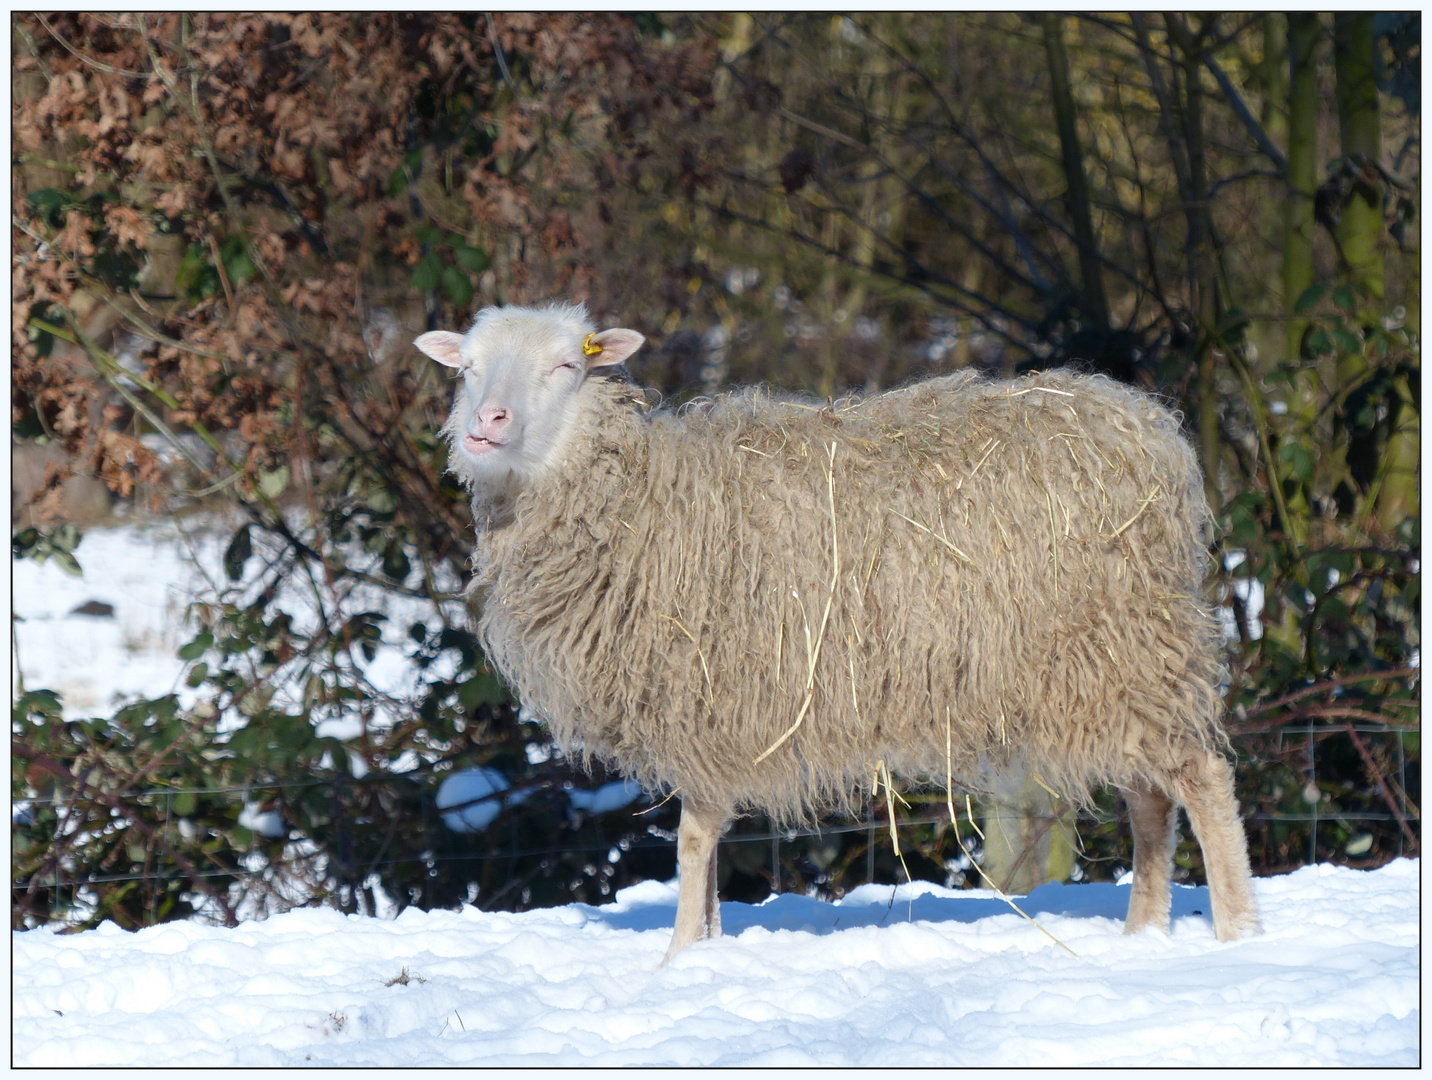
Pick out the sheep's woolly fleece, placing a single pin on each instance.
(1004, 567)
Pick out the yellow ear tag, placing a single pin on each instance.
(589, 347)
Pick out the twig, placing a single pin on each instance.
(659, 805)
(112, 800)
(497, 53)
(890, 797)
(710, 690)
(1046, 389)
(937, 536)
(1369, 676)
(1324, 712)
(1152, 495)
(223, 274)
(89, 60)
(1381, 784)
(1053, 542)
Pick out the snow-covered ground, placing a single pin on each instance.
(936, 978)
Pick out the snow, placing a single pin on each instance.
(148, 576)
(605, 799)
(469, 789)
(912, 976)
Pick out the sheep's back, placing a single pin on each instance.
(1018, 569)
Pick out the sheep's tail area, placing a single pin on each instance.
(1019, 565)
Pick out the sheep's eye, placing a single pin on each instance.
(570, 365)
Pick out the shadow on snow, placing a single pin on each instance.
(652, 906)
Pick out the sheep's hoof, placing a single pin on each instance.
(1145, 925)
(1245, 925)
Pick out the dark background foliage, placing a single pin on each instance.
(228, 228)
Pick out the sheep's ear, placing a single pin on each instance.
(443, 346)
(614, 345)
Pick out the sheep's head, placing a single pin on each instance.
(523, 374)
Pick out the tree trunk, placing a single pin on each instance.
(1026, 837)
(1203, 259)
(1094, 303)
(1298, 273)
(1397, 501)
(1359, 125)
(1360, 236)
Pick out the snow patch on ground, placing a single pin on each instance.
(147, 575)
(914, 976)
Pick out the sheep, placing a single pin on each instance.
(769, 604)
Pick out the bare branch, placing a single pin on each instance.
(1240, 109)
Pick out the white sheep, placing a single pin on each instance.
(763, 602)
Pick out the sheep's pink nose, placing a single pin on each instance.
(492, 425)
(493, 422)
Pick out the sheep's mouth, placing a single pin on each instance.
(479, 444)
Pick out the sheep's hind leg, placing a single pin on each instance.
(697, 913)
(1205, 787)
(1152, 815)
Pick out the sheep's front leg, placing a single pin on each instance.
(698, 915)
(1152, 815)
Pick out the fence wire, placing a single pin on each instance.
(657, 838)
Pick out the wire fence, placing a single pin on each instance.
(652, 837)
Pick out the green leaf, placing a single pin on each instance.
(1333, 610)
(1318, 343)
(196, 278)
(23, 542)
(237, 553)
(185, 803)
(68, 563)
(197, 675)
(1311, 295)
(1347, 343)
(1299, 459)
(49, 202)
(397, 182)
(58, 545)
(471, 258)
(198, 647)
(1343, 298)
(395, 563)
(273, 484)
(44, 702)
(483, 689)
(427, 273)
(237, 263)
(457, 286)
(382, 501)
(48, 198)
(1232, 325)
(428, 235)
